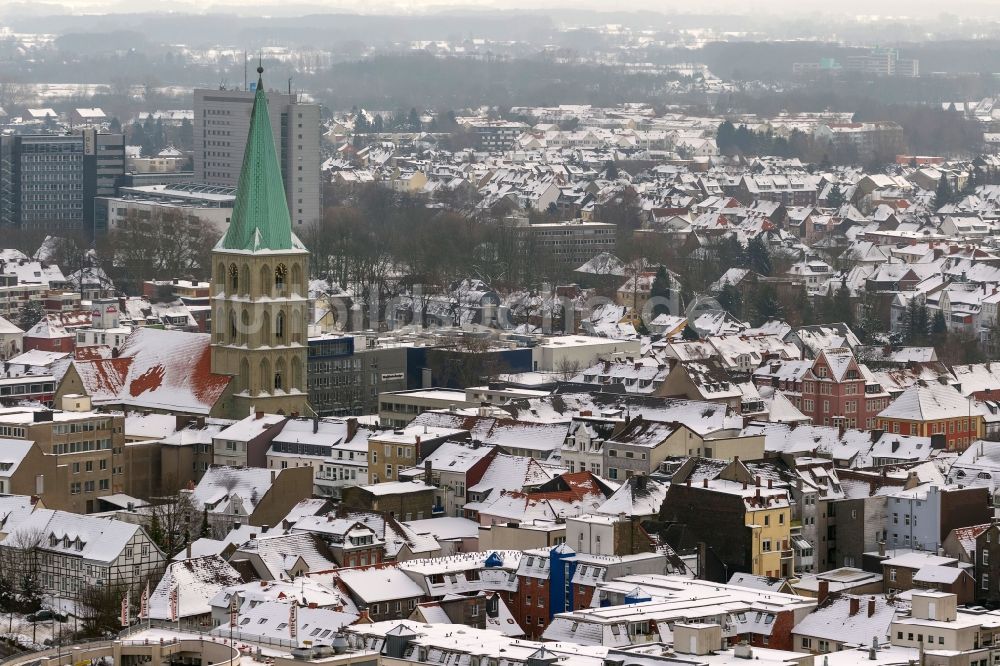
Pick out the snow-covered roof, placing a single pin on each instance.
(197, 580)
(380, 584)
(834, 621)
(221, 484)
(91, 539)
(156, 369)
(928, 401)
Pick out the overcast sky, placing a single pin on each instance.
(922, 8)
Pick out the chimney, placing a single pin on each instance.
(687, 482)
(744, 485)
(704, 482)
(871, 606)
(823, 592)
(352, 428)
(315, 424)
(855, 606)
(881, 548)
(188, 550)
(756, 480)
(259, 415)
(428, 475)
(770, 483)
(274, 475)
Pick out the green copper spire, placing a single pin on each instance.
(260, 219)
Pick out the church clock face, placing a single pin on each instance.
(280, 274)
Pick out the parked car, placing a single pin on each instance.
(45, 615)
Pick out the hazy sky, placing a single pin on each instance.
(923, 8)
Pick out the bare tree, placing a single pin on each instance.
(170, 521)
(99, 607)
(23, 560)
(12, 93)
(567, 369)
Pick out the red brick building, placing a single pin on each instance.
(833, 389)
(49, 335)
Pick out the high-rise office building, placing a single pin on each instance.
(221, 123)
(48, 182)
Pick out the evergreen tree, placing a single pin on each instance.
(759, 257)
(659, 292)
(731, 254)
(610, 170)
(939, 330)
(7, 596)
(204, 533)
(690, 334)
(835, 199)
(115, 125)
(843, 310)
(414, 120)
(361, 125)
(30, 314)
(766, 306)
(943, 195)
(916, 323)
(185, 135)
(731, 299)
(377, 124)
(156, 530)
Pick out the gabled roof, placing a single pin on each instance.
(156, 369)
(65, 533)
(197, 580)
(928, 401)
(260, 218)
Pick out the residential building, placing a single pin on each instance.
(392, 452)
(454, 467)
(832, 389)
(402, 500)
(921, 518)
(559, 580)
(935, 410)
(246, 442)
(750, 530)
(73, 553)
(234, 496)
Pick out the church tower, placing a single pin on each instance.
(260, 285)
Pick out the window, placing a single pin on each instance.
(985, 581)
(986, 557)
(892, 575)
(765, 545)
(280, 273)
